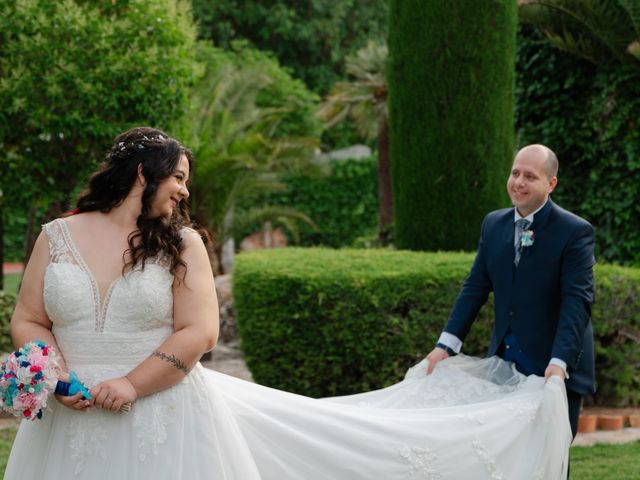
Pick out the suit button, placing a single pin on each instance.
(507, 347)
(511, 313)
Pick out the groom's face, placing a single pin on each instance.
(529, 184)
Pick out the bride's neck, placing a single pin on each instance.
(125, 215)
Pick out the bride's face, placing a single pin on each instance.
(171, 190)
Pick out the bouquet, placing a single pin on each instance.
(28, 376)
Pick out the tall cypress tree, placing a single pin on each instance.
(451, 117)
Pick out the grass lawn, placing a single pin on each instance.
(6, 439)
(11, 282)
(601, 462)
(610, 462)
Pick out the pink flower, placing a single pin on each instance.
(26, 401)
(12, 364)
(34, 357)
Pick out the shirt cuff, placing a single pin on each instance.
(451, 341)
(560, 363)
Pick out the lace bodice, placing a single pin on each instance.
(134, 317)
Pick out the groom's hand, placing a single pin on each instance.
(553, 370)
(434, 357)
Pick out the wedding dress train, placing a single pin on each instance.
(472, 419)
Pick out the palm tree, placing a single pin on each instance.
(363, 99)
(238, 157)
(600, 31)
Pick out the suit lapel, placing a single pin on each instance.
(540, 218)
(503, 245)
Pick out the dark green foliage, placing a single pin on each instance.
(343, 205)
(74, 74)
(7, 304)
(311, 37)
(451, 98)
(328, 322)
(15, 224)
(283, 91)
(588, 116)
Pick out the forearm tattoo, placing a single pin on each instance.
(173, 360)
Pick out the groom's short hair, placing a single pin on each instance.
(551, 163)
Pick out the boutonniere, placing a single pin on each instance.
(527, 238)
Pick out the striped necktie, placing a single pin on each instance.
(521, 225)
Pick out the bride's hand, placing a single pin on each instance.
(112, 394)
(74, 402)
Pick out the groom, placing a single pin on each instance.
(537, 259)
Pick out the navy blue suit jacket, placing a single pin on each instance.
(545, 300)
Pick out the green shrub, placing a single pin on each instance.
(343, 205)
(616, 325)
(325, 322)
(7, 304)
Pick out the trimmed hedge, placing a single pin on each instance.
(323, 322)
(451, 77)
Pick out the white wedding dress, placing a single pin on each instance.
(472, 419)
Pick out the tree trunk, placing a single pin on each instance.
(385, 196)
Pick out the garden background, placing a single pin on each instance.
(273, 95)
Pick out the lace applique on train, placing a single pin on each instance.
(421, 462)
(487, 460)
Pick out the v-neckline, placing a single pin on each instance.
(100, 304)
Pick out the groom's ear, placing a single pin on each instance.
(552, 183)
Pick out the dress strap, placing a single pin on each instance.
(59, 250)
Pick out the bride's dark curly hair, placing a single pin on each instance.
(158, 155)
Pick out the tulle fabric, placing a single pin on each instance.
(213, 426)
(472, 419)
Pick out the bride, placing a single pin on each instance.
(123, 290)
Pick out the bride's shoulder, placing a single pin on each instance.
(81, 219)
(75, 221)
(194, 248)
(191, 238)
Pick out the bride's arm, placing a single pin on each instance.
(30, 321)
(195, 318)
